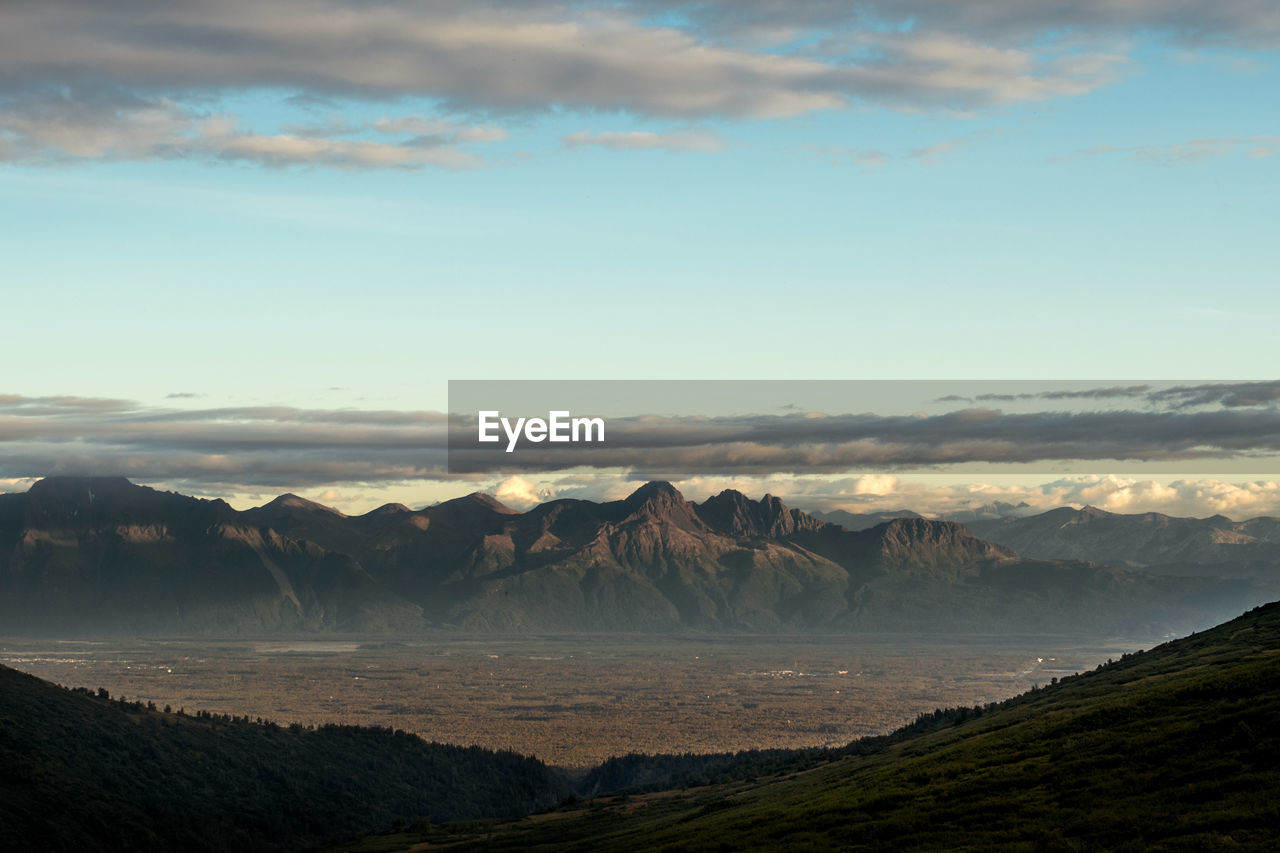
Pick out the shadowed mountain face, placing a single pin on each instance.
(95, 554)
(101, 554)
(1160, 543)
(85, 773)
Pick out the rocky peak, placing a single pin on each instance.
(734, 514)
(289, 502)
(662, 502)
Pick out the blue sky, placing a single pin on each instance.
(338, 205)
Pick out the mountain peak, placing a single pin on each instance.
(62, 485)
(734, 513)
(659, 490)
(389, 509)
(661, 502)
(479, 500)
(290, 501)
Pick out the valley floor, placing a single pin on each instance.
(575, 700)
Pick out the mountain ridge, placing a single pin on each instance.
(129, 558)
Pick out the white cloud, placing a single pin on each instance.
(955, 71)
(124, 83)
(519, 493)
(440, 129)
(161, 129)
(1183, 497)
(837, 155)
(700, 141)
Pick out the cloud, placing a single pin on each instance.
(1111, 493)
(870, 158)
(1229, 394)
(1250, 23)
(519, 493)
(436, 130)
(700, 141)
(1112, 392)
(837, 155)
(1182, 153)
(83, 80)
(270, 447)
(73, 125)
(472, 56)
(287, 448)
(673, 447)
(954, 71)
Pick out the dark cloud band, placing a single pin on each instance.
(281, 447)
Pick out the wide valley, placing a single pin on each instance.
(574, 700)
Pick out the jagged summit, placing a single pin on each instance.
(734, 513)
(660, 502)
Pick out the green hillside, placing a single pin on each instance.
(1177, 748)
(82, 772)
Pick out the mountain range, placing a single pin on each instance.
(1158, 543)
(102, 555)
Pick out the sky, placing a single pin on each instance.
(227, 214)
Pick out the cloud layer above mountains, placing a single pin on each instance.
(847, 459)
(144, 80)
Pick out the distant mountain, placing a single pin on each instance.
(100, 554)
(96, 554)
(862, 520)
(991, 511)
(1159, 543)
(82, 772)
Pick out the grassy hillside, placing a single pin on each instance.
(1177, 748)
(81, 772)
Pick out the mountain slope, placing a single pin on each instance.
(83, 773)
(100, 554)
(1177, 748)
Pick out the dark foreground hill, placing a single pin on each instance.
(81, 772)
(1177, 748)
(101, 555)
